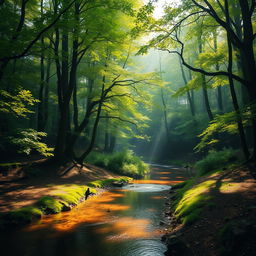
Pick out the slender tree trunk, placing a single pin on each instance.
(46, 93)
(204, 86)
(189, 95)
(233, 93)
(107, 137)
(112, 143)
(40, 110)
(217, 67)
(80, 160)
(164, 106)
(64, 97)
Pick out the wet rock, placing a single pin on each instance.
(162, 223)
(118, 183)
(66, 208)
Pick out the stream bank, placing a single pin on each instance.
(121, 221)
(213, 215)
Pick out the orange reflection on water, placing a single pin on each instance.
(157, 197)
(127, 228)
(94, 210)
(163, 172)
(161, 182)
(164, 178)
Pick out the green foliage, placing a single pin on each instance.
(125, 163)
(215, 160)
(28, 140)
(16, 105)
(225, 123)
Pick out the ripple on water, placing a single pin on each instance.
(146, 247)
(146, 187)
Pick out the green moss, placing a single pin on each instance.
(191, 199)
(72, 194)
(179, 185)
(49, 204)
(192, 217)
(24, 215)
(108, 182)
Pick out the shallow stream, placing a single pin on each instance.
(119, 222)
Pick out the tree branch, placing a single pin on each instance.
(29, 46)
(207, 73)
(121, 119)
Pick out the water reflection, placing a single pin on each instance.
(123, 222)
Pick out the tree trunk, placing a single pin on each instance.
(204, 86)
(217, 67)
(233, 93)
(189, 96)
(40, 110)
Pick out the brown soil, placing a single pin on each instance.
(18, 190)
(235, 202)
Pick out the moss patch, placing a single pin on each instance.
(49, 204)
(23, 215)
(72, 194)
(191, 199)
(108, 182)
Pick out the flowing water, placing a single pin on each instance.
(119, 222)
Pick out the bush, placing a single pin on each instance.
(125, 163)
(215, 160)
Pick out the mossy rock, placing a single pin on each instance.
(24, 215)
(49, 204)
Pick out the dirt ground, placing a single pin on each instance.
(17, 190)
(235, 202)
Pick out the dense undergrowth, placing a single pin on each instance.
(124, 163)
(216, 160)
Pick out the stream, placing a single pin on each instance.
(120, 222)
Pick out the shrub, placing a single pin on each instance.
(215, 160)
(125, 163)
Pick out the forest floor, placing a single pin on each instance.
(227, 223)
(18, 189)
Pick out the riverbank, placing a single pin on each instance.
(25, 198)
(213, 215)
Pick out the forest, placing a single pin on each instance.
(95, 93)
